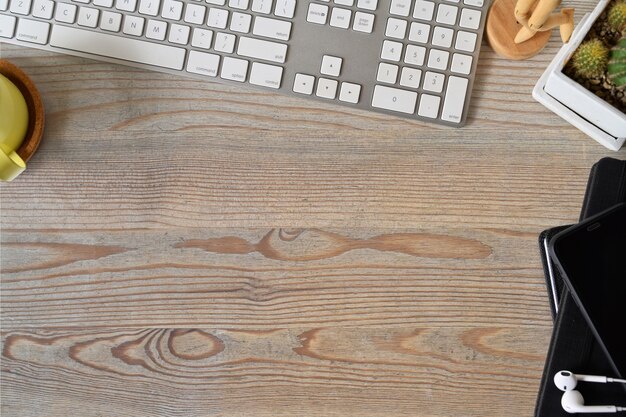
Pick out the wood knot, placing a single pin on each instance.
(193, 344)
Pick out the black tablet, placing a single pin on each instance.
(592, 259)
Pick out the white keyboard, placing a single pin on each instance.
(413, 58)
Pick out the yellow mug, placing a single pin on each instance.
(13, 127)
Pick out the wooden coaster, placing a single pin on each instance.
(502, 28)
(36, 115)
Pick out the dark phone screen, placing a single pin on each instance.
(594, 259)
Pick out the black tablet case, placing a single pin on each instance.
(554, 281)
(573, 346)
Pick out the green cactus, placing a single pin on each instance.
(591, 58)
(617, 64)
(617, 16)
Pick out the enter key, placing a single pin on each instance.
(454, 99)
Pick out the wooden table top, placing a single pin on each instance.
(184, 248)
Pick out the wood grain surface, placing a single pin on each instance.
(182, 248)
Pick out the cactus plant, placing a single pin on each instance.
(591, 58)
(616, 68)
(617, 16)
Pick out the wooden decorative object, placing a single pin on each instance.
(502, 28)
(519, 29)
(542, 19)
(34, 103)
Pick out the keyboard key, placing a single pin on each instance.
(446, 14)
(410, 77)
(461, 64)
(238, 4)
(326, 88)
(433, 82)
(442, 37)
(438, 59)
(7, 26)
(285, 8)
(400, 7)
(363, 22)
(317, 13)
(475, 3)
(340, 18)
(260, 49)
(133, 25)
(126, 5)
(396, 28)
(32, 31)
(415, 55)
(348, 3)
(4, 4)
(20, 7)
(179, 34)
(272, 28)
(225, 42)
(392, 51)
(465, 41)
(331, 65)
(394, 99)
(367, 4)
(429, 106)
(156, 30)
(217, 2)
(203, 63)
(350, 93)
(424, 10)
(88, 17)
(303, 84)
(266, 75)
(201, 38)
(387, 73)
(234, 69)
(117, 47)
(65, 13)
(112, 22)
(455, 99)
(172, 9)
(149, 7)
(194, 13)
(103, 3)
(43, 9)
(240, 22)
(419, 32)
(217, 18)
(262, 6)
(470, 18)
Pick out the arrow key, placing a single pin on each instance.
(350, 93)
(331, 65)
(326, 88)
(303, 84)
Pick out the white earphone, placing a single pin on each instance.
(573, 401)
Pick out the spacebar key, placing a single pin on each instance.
(116, 47)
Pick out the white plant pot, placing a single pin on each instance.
(575, 103)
